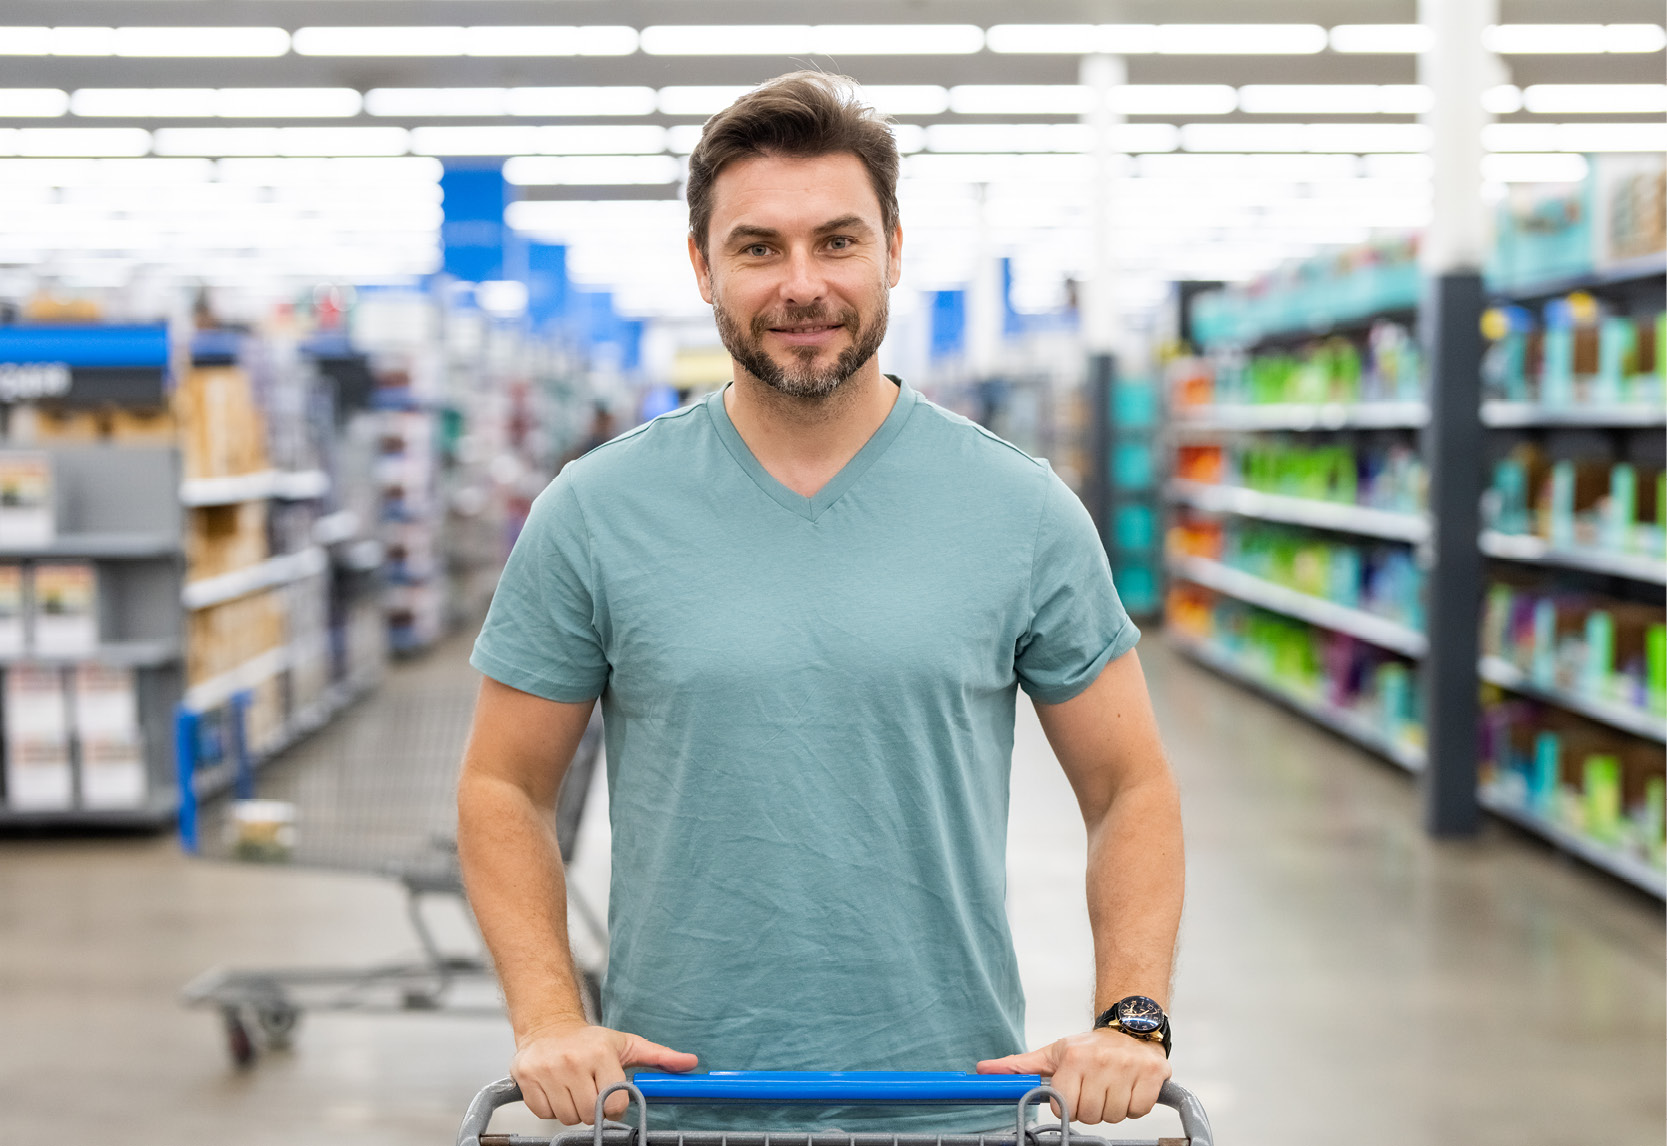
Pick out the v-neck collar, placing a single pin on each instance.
(811, 508)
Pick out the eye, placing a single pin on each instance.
(758, 250)
(841, 242)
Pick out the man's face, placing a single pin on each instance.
(797, 270)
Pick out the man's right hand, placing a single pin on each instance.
(561, 1069)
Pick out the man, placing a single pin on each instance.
(806, 604)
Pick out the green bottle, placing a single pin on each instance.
(1603, 798)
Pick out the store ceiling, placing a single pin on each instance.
(1293, 194)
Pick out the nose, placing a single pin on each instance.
(803, 284)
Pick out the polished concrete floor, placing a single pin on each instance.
(1341, 978)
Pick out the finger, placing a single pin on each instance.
(640, 1052)
(1069, 1086)
(1091, 1106)
(1145, 1095)
(606, 1076)
(576, 1102)
(1031, 1062)
(1118, 1097)
(535, 1099)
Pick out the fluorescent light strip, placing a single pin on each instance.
(582, 101)
(33, 103)
(1020, 99)
(701, 101)
(144, 42)
(426, 102)
(74, 141)
(905, 99)
(1383, 39)
(633, 139)
(1174, 99)
(1575, 137)
(591, 169)
(1335, 99)
(1585, 99)
(828, 39)
(485, 40)
(1573, 39)
(1167, 39)
(282, 141)
(1318, 137)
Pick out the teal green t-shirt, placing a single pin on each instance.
(808, 707)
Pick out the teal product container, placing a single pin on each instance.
(1617, 358)
(1395, 698)
(1343, 575)
(1135, 527)
(1622, 510)
(1557, 366)
(1510, 484)
(1545, 774)
(1513, 366)
(1599, 666)
(1543, 664)
(1131, 465)
(1562, 504)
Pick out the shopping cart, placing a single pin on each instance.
(836, 1088)
(378, 800)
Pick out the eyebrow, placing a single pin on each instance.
(843, 223)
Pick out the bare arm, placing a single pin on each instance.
(1107, 741)
(520, 747)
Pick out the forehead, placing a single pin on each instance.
(790, 193)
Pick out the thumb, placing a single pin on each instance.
(1031, 1062)
(639, 1051)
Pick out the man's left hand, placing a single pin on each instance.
(1105, 1075)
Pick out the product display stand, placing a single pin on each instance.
(1451, 444)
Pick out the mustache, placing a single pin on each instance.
(816, 314)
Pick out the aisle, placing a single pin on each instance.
(1340, 976)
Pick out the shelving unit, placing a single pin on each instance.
(1619, 864)
(1306, 416)
(1636, 721)
(1335, 516)
(1500, 414)
(1532, 550)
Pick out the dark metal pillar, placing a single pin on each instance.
(1450, 325)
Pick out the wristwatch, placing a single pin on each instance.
(1139, 1018)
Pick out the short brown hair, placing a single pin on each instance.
(800, 115)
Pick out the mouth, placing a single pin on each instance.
(813, 328)
(807, 333)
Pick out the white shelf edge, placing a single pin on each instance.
(217, 690)
(291, 484)
(158, 810)
(240, 582)
(133, 653)
(210, 782)
(1619, 864)
(1500, 413)
(110, 545)
(1536, 550)
(1497, 670)
(1345, 724)
(1254, 590)
(1304, 416)
(1362, 520)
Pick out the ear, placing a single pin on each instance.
(894, 256)
(703, 271)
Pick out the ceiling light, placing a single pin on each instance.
(598, 139)
(1241, 39)
(1409, 167)
(1406, 99)
(1386, 39)
(201, 42)
(998, 168)
(54, 141)
(897, 39)
(592, 169)
(682, 138)
(1502, 99)
(1531, 168)
(1020, 99)
(298, 141)
(475, 140)
(726, 39)
(424, 102)
(702, 101)
(1520, 137)
(83, 41)
(1310, 99)
(1359, 137)
(582, 101)
(143, 103)
(910, 137)
(1635, 37)
(43, 103)
(1015, 137)
(602, 40)
(1243, 137)
(426, 40)
(1524, 39)
(325, 172)
(1577, 99)
(1174, 99)
(1062, 39)
(284, 103)
(1145, 137)
(906, 99)
(1599, 137)
(15, 41)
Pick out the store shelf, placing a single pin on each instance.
(109, 546)
(1616, 274)
(147, 817)
(217, 690)
(1303, 416)
(1249, 588)
(1410, 527)
(1505, 415)
(1349, 725)
(240, 582)
(334, 528)
(213, 781)
(1650, 726)
(1630, 868)
(1537, 551)
(130, 654)
(293, 485)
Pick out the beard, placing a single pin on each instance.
(800, 377)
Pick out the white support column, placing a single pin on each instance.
(1458, 70)
(986, 310)
(1100, 315)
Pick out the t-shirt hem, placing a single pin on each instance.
(516, 677)
(1127, 637)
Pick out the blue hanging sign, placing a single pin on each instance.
(84, 365)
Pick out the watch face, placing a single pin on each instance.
(1139, 1015)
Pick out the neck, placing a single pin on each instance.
(804, 442)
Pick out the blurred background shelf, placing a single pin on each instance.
(1367, 522)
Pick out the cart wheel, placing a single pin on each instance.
(590, 988)
(277, 1023)
(238, 1043)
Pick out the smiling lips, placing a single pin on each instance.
(806, 335)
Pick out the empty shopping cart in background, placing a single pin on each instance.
(828, 1088)
(376, 797)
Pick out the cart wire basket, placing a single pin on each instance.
(841, 1088)
(374, 797)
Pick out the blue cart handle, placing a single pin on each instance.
(838, 1087)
